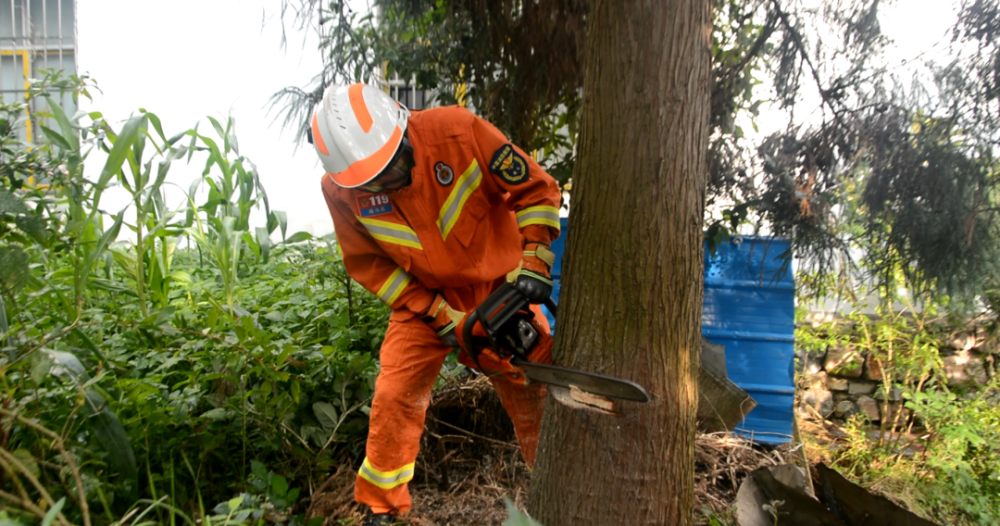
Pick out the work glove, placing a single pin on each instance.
(444, 320)
(534, 278)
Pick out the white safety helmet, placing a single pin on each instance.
(356, 131)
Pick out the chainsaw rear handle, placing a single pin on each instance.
(493, 312)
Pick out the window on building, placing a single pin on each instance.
(35, 35)
(405, 92)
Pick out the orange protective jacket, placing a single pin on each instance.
(474, 200)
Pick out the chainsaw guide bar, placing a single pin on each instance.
(511, 334)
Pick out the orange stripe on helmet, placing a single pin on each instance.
(318, 137)
(366, 169)
(360, 108)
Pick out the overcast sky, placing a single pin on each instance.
(187, 59)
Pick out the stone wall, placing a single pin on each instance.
(845, 380)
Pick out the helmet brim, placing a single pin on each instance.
(364, 170)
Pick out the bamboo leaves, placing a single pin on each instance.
(121, 144)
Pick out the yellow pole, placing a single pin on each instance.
(27, 74)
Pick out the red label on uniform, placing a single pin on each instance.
(374, 205)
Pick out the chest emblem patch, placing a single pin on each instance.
(445, 175)
(509, 165)
(374, 205)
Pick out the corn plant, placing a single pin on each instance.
(134, 380)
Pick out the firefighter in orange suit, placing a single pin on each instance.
(432, 210)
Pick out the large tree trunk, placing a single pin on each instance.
(632, 294)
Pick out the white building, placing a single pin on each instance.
(35, 35)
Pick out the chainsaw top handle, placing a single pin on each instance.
(493, 313)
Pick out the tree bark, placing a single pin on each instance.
(632, 280)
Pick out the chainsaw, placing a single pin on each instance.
(515, 343)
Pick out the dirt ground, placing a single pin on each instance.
(470, 461)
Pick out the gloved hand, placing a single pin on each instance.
(534, 279)
(444, 320)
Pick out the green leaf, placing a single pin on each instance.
(55, 137)
(50, 516)
(291, 497)
(264, 240)
(98, 250)
(156, 125)
(123, 144)
(279, 486)
(33, 226)
(296, 392)
(111, 435)
(13, 268)
(235, 503)
(159, 318)
(104, 424)
(112, 286)
(515, 517)
(25, 457)
(276, 219)
(69, 134)
(10, 203)
(218, 127)
(219, 413)
(298, 237)
(89, 345)
(326, 415)
(249, 240)
(40, 367)
(258, 469)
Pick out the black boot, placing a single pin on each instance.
(379, 519)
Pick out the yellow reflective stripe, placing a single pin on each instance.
(539, 215)
(452, 208)
(392, 232)
(440, 306)
(386, 479)
(394, 286)
(450, 327)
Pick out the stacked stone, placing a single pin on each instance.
(844, 380)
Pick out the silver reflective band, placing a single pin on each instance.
(393, 286)
(539, 215)
(386, 480)
(395, 234)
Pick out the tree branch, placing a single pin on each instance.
(801, 47)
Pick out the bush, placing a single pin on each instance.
(189, 363)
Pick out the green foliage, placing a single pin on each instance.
(963, 453)
(481, 53)
(943, 460)
(949, 471)
(710, 518)
(154, 359)
(517, 518)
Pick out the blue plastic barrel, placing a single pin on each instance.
(750, 309)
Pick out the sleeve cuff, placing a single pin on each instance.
(539, 234)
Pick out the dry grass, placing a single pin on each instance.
(470, 461)
(723, 460)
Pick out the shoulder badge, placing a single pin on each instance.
(445, 175)
(509, 165)
(374, 205)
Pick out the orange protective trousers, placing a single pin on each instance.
(411, 358)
